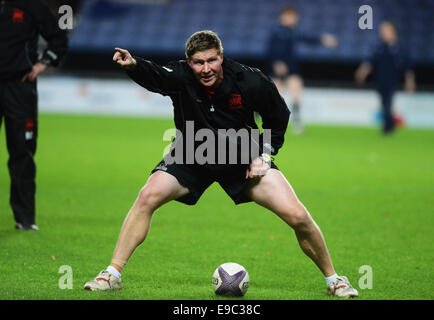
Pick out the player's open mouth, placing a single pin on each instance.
(208, 79)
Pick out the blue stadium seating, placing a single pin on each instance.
(244, 25)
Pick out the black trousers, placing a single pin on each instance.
(18, 109)
(386, 105)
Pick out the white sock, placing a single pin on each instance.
(331, 278)
(114, 271)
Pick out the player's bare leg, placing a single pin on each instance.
(160, 188)
(295, 87)
(274, 192)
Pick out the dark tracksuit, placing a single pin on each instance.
(21, 22)
(243, 91)
(389, 63)
(282, 46)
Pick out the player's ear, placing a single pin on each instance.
(188, 60)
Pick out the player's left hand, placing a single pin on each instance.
(37, 69)
(258, 168)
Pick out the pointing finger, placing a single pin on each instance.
(121, 50)
(116, 56)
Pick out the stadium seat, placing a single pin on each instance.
(162, 28)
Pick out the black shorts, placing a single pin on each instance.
(197, 178)
(294, 70)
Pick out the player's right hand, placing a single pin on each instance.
(124, 58)
(257, 169)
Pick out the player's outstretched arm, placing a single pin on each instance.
(124, 58)
(148, 74)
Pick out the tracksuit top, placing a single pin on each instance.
(243, 91)
(21, 22)
(389, 64)
(282, 45)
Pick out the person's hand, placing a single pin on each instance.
(280, 69)
(359, 77)
(37, 69)
(410, 86)
(124, 58)
(328, 40)
(410, 82)
(258, 168)
(362, 72)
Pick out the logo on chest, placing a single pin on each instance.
(18, 16)
(235, 101)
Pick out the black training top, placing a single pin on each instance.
(243, 91)
(21, 21)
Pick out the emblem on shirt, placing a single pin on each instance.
(235, 101)
(18, 15)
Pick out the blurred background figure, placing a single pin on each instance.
(284, 63)
(389, 62)
(21, 23)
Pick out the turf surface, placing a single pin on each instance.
(372, 196)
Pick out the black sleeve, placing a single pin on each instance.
(56, 38)
(407, 61)
(308, 38)
(373, 58)
(275, 48)
(274, 112)
(156, 78)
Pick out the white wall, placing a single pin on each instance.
(124, 97)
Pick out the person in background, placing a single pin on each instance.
(389, 62)
(284, 61)
(21, 23)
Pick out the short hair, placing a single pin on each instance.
(287, 7)
(201, 41)
(390, 23)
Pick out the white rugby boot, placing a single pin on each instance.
(342, 288)
(31, 227)
(104, 281)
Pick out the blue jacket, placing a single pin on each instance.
(282, 45)
(389, 64)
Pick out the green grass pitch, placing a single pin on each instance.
(372, 196)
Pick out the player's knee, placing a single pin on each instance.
(298, 217)
(150, 198)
